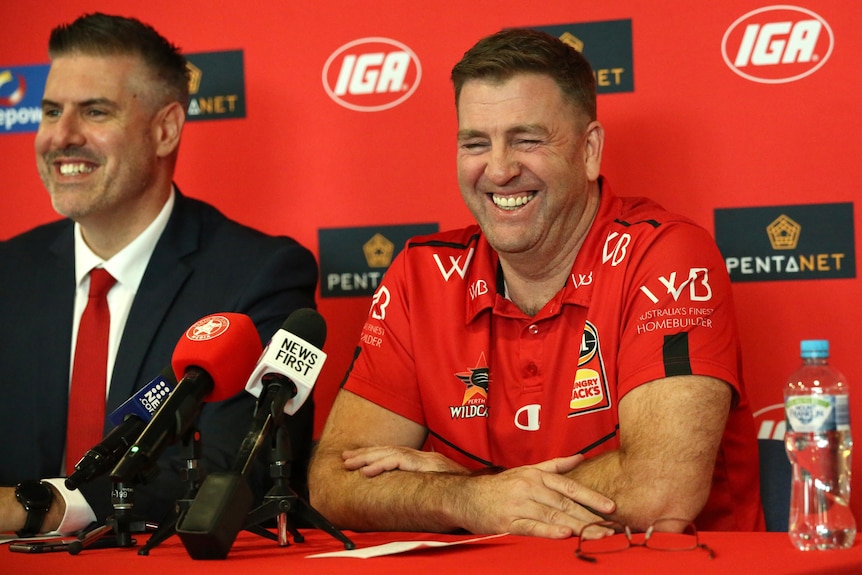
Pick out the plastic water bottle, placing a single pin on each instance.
(819, 446)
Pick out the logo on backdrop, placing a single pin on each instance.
(21, 90)
(371, 74)
(778, 243)
(771, 422)
(608, 47)
(216, 85)
(777, 44)
(353, 260)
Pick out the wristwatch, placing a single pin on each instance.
(36, 497)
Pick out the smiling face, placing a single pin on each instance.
(527, 158)
(98, 148)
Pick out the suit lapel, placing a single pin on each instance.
(57, 307)
(162, 281)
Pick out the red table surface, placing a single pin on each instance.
(736, 553)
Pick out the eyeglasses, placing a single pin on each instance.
(666, 534)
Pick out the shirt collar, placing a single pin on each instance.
(576, 291)
(129, 264)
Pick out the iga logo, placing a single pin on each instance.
(777, 44)
(371, 74)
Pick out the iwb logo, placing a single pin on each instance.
(615, 248)
(582, 280)
(371, 74)
(697, 283)
(478, 288)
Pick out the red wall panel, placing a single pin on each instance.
(692, 134)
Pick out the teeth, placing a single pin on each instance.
(75, 169)
(512, 202)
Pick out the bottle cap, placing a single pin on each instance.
(814, 348)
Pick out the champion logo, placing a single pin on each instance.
(209, 327)
(371, 74)
(777, 44)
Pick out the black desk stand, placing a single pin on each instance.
(282, 503)
(118, 528)
(192, 476)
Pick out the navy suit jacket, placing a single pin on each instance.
(203, 263)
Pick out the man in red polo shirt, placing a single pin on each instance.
(573, 357)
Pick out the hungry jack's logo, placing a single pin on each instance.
(590, 387)
(473, 403)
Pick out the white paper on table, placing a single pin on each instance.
(398, 547)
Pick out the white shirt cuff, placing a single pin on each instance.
(78, 514)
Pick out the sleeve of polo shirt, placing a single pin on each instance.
(383, 370)
(679, 317)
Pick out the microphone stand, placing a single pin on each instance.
(282, 503)
(192, 476)
(122, 524)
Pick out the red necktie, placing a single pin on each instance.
(86, 418)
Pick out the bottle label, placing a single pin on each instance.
(817, 413)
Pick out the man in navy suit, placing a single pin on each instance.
(106, 149)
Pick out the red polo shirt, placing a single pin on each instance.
(648, 297)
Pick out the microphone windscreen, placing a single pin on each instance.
(307, 324)
(293, 352)
(224, 345)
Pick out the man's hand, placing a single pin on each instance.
(537, 500)
(369, 475)
(534, 500)
(372, 461)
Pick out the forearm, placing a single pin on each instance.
(368, 473)
(13, 516)
(645, 490)
(664, 465)
(393, 501)
(396, 500)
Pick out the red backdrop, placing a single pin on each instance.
(693, 134)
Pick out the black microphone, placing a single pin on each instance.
(129, 420)
(211, 361)
(282, 380)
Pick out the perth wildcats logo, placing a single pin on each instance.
(371, 74)
(209, 327)
(777, 44)
(475, 398)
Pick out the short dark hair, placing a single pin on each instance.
(100, 34)
(513, 51)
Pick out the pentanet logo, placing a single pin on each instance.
(371, 74)
(777, 44)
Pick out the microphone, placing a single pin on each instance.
(282, 380)
(211, 360)
(292, 354)
(129, 420)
